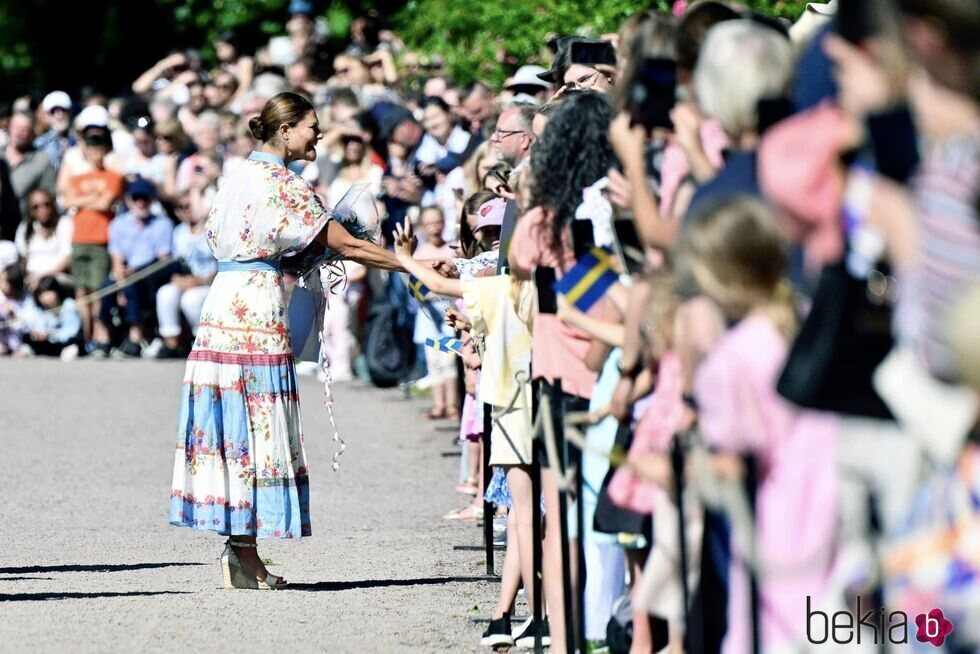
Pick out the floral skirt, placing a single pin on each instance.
(239, 465)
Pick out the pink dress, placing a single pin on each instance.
(652, 435)
(796, 501)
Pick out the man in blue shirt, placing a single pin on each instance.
(138, 239)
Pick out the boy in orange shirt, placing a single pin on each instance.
(93, 194)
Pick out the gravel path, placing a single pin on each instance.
(89, 563)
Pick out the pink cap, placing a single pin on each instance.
(491, 214)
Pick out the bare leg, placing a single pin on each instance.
(521, 521)
(85, 311)
(452, 400)
(250, 559)
(510, 578)
(642, 630)
(552, 561)
(475, 461)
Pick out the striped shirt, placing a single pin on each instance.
(947, 187)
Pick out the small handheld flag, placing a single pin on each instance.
(419, 290)
(589, 279)
(446, 344)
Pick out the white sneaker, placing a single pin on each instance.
(69, 353)
(150, 351)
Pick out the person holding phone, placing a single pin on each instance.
(576, 132)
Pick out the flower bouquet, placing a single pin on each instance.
(358, 214)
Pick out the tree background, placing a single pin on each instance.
(105, 44)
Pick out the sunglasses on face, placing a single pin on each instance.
(183, 207)
(141, 198)
(38, 205)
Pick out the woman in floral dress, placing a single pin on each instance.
(239, 468)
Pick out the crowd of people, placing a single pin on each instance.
(792, 214)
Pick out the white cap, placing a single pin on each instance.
(92, 116)
(527, 76)
(55, 100)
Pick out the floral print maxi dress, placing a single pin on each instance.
(239, 467)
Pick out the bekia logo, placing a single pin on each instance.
(845, 627)
(933, 627)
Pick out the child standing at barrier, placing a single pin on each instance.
(441, 366)
(735, 255)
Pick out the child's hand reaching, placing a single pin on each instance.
(404, 239)
(456, 320)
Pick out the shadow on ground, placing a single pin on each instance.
(90, 567)
(386, 583)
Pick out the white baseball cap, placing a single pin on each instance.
(56, 100)
(92, 116)
(527, 76)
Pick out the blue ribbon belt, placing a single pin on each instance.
(255, 264)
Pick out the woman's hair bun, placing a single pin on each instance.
(257, 128)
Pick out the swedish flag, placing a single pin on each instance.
(446, 344)
(419, 290)
(589, 279)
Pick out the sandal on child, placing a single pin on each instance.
(468, 514)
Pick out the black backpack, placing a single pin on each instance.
(388, 347)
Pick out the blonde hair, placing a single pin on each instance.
(658, 325)
(735, 253)
(741, 63)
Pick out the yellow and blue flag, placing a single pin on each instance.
(419, 290)
(446, 344)
(589, 279)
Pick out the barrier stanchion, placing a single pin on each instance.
(751, 484)
(577, 456)
(677, 463)
(487, 506)
(537, 604)
(561, 466)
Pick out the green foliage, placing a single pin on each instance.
(487, 40)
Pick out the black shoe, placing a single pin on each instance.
(97, 350)
(129, 350)
(170, 353)
(525, 639)
(498, 633)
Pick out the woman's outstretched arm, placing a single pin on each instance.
(336, 237)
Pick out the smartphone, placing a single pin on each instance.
(544, 281)
(629, 246)
(583, 237)
(653, 93)
(593, 52)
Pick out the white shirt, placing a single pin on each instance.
(43, 254)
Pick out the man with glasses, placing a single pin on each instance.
(512, 138)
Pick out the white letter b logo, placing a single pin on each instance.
(931, 630)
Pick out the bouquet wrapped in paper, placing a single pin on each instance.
(320, 270)
(358, 214)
